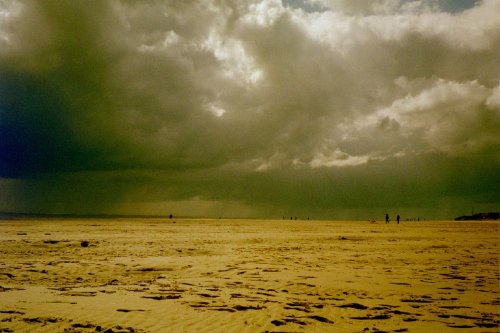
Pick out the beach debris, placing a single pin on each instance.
(130, 310)
(10, 276)
(466, 317)
(208, 295)
(99, 328)
(461, 326)
(454, 276)
(42, 320)
(11, 312)
(454, 307)
(33, 320)
(353, 306)
(370, 317)
(410, 319)
(80, 293)
(321, 319)
(163, 297)
(486, 325)
(401, 283)
(87, 325)
(398, 312)
(278, 322)
(247, 307)
(299, 321)
(417, 299)
(224, 309)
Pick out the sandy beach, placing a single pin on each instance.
(180, 275)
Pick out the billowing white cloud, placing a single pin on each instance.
(493, 100)
(446, 116)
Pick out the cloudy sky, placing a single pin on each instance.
(308, 108)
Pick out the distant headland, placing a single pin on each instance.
(479, 217)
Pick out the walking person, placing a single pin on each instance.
(397, 218)
(386, 218)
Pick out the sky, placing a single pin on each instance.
(327, 109)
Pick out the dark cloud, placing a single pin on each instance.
(456, 6)
(262, 108)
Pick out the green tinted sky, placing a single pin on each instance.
(326, 108)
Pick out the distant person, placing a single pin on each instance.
(397, 218)
(386, 218)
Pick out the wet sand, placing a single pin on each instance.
(161, 275)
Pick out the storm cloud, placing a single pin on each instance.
(324, 108)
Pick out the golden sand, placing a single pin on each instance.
(161, 275)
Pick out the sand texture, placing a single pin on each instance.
(161, 275)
